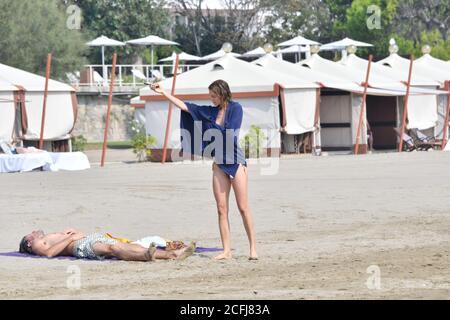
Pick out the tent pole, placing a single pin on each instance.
(363, 105)
(105, 74)
(444, 139)
(166, 140)
(44, 108)
(405, 109)
(316, 121)
(153, 49)
(108, 113)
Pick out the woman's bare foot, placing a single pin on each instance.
(253, 255)
(186, 252)
(224, 256)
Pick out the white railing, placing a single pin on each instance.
(126, 75)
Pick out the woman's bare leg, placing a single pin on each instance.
(240, 187)
(221, 188)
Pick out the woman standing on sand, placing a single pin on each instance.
(229, 169)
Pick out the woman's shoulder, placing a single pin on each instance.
(235, 105)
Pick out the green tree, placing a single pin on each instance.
(440, 47)
(32, 29)
(371, 26)
(125, 20)
(290, 18)
(202, 31)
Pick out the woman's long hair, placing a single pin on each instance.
(222, 89)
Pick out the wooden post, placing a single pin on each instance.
(363, 105)
(44, 108)
(108, 113)
(316, 121)
(405, 109)
(444, 139)
(166, 140)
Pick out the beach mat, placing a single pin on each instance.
(24, 255)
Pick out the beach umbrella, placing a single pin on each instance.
(258, 52)
(152, 41)
(103, 42)
(343, 44)
(182, 56)
(219, 54)
(300, 42)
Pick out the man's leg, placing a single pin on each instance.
(134, 252)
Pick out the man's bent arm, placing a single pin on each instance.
(56, 249)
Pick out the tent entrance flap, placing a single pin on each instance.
(382, 119)
(336, 121)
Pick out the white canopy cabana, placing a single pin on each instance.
(401, 64)
(29, 88)
(422, 111)
(429, 61)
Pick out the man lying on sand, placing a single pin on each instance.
(73, 243)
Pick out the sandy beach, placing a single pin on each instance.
(322, 224)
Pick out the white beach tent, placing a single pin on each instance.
(251, 86)
(422, 108)
(402, 65)
(340, 99)
(7, 110)
(384, 106)
(139, 109)
(61, 105)
(429, 61)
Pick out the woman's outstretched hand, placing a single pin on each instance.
(157, 88)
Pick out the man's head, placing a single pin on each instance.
(219, 92)
(26, 244)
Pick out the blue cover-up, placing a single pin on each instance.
(198, 123)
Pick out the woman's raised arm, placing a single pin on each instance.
(177, 102)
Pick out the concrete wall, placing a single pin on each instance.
(92, 118)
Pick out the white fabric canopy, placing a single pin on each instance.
(59, 119)
(104, 41)
(419, 70)
(262, 112)
(422, 112)
(7, 115)
(343, 44)
(60, 104)
(31, 82)
(298, 41)
(300, 111)
(152, 41)
(219, 54)
(240, 75)
(429, 61)
(182, 57)
(361, 65)
(294, 49)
